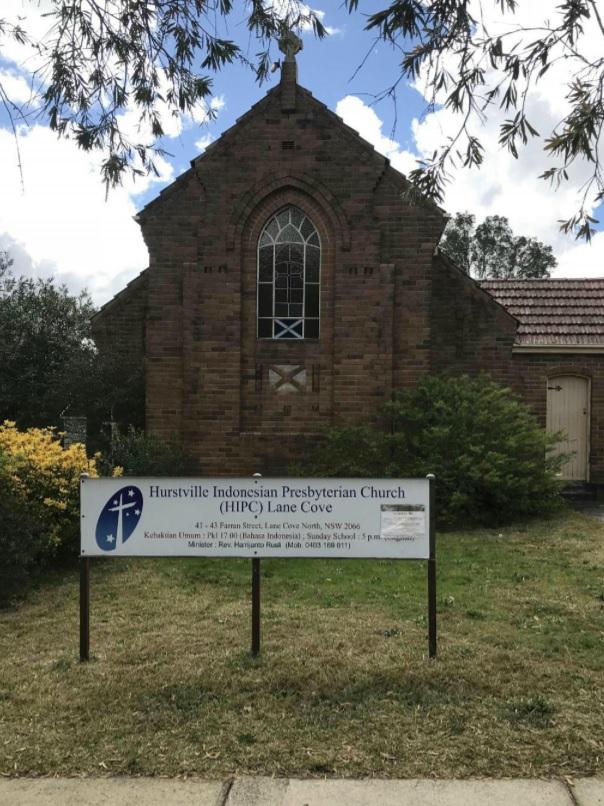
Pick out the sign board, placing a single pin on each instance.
(255, 517)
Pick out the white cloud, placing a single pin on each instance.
(60, 221)
(289, 9)
(22, 262)
(582, 259)
(173, 124)
(512, 187)
(27, 65)
(204, 113)
(15, 87)
(504, 185)
(365, 121)
(204, 142)
(329, 28)
(217, 104)
(29, 16)
(56, 220)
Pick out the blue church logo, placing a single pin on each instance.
(119, 518)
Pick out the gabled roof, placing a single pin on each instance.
(382, 166)
(122, 296)
(258, 108)
(554, 313)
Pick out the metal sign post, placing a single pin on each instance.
(255, 607)
(256, 599)
(84, 608)
(432, 571)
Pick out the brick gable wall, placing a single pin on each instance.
(390, 309)
(208, 377)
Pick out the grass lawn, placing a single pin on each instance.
(343, 687)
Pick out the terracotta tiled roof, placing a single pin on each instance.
(553, 312)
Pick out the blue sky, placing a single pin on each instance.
(54, 219)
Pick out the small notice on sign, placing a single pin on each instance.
(403, 523)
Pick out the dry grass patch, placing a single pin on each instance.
(343, 686)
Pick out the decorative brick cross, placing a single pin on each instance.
(287, 378)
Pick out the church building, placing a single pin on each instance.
(294, 284)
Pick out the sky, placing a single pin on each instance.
(56, 220)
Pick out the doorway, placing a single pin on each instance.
(568, 411)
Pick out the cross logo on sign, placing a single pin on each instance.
(119, 518)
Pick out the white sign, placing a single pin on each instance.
(255, 517)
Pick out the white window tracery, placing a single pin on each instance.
(289, 277)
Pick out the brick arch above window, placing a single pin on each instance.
(247, 251)
(267, 193)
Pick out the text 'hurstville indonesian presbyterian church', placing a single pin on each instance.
(292, 285)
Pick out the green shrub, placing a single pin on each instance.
(20, 542)
(492, 461)
(21, 539)
(137, 454)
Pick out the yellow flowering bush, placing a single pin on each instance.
(44, 477)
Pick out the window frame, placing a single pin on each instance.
(293, 328)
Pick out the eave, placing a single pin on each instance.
(560, 349)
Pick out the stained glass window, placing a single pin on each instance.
(289, 276)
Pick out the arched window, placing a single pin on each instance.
(289, 273)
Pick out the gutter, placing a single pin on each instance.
(551, 349)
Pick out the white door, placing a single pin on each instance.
(568, 411)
